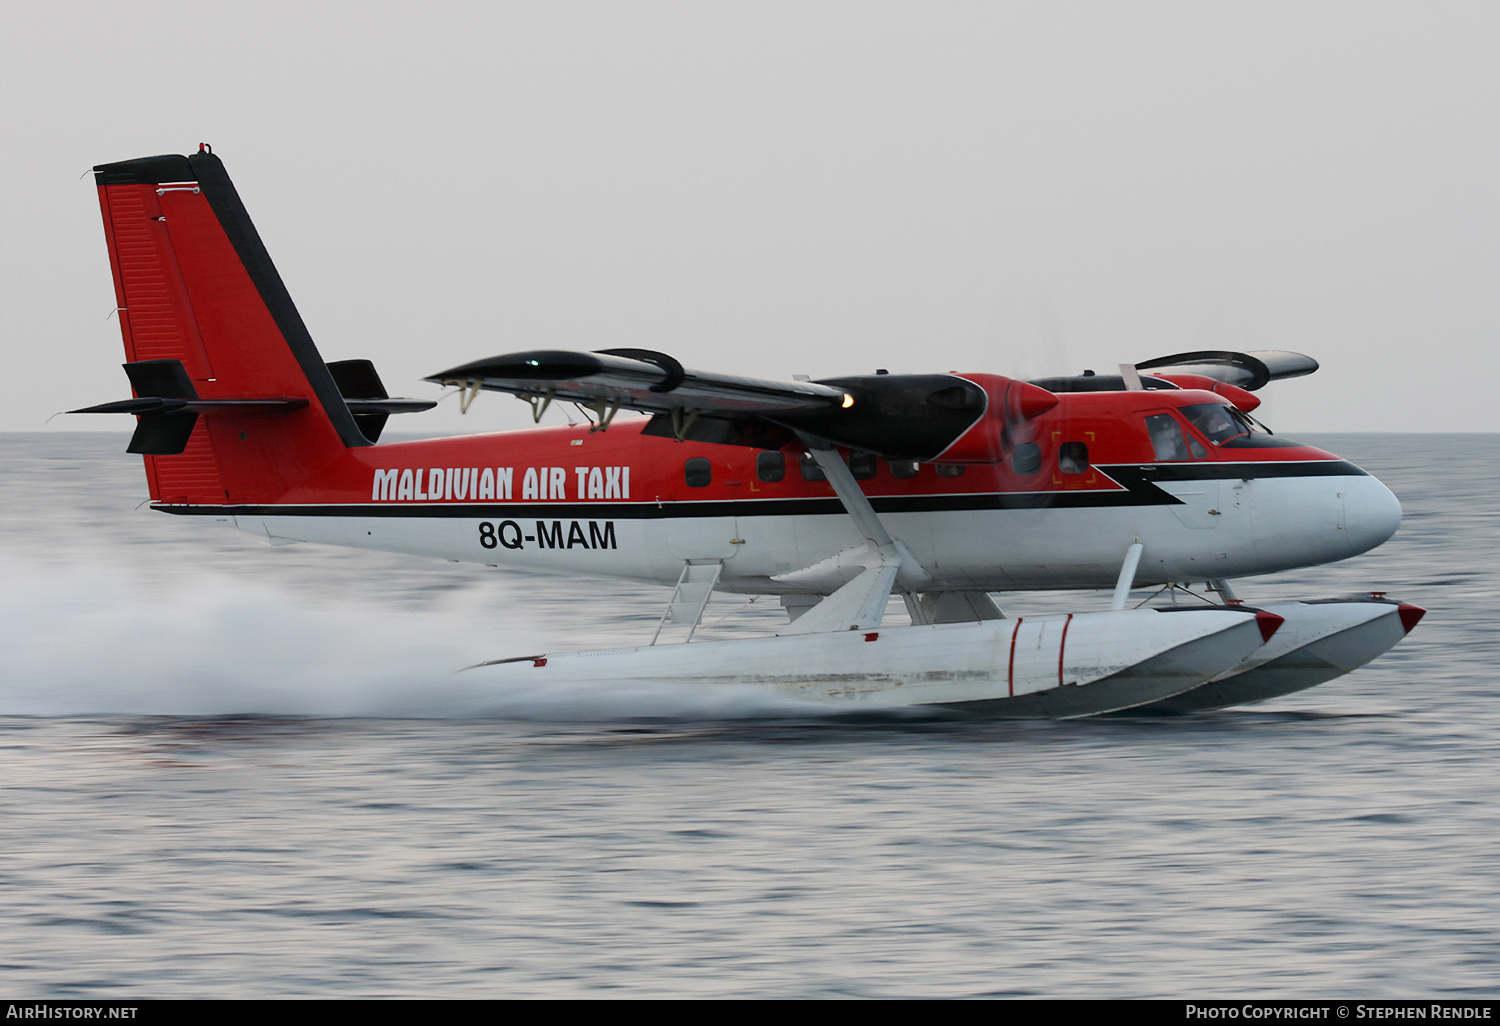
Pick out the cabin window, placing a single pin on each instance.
(1073, 457)
(810, 469)
(862, 465)
(903, 470)
(1167, 439)
(1026, 458)
(698, 472)
(1218, 422)
(770, 466)
(950, 469)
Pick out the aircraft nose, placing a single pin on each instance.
(1372, 513)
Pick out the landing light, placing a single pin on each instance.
(848, 400)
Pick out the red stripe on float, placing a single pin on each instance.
(1011, 673)
(1062, 647)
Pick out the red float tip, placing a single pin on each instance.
(1268, 624)
(1410, 615)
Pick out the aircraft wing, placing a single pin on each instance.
(1249, 371)
(899, 416)
(639, 379)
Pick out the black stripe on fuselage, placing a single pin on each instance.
(1128, 473)
(1136, 480)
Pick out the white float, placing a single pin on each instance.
(1320, 640)
(1048, 667)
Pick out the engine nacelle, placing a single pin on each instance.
(947, 418)
(1009, 403)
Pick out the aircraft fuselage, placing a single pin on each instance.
(1084, 482)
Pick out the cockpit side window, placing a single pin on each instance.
(1218, 422)
(1167, 438)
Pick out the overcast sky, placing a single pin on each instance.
(777, 188)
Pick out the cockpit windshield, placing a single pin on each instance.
(1218, 422)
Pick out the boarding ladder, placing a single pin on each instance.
(683, 613)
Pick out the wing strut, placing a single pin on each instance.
(887, 563)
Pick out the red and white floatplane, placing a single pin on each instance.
(832, 495)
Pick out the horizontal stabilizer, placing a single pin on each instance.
(158, 404)
(168, 406)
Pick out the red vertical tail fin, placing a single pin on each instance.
(196, 288)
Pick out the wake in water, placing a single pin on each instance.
(93, 642)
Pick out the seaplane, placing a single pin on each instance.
(836, 496)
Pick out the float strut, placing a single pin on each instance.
(1226, 593)
(1127, 576)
